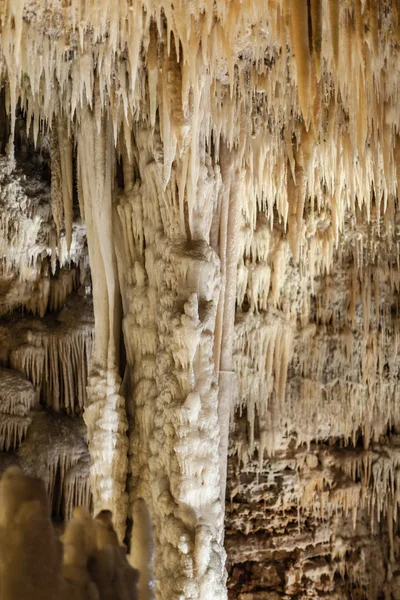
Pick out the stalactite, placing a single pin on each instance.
(56, 356)
(223, 344)
(55, 450)
(77, 487)
(105, 413)
(17, 397)
(316, 22)
(57, 207)
(130, 86)
(66, 177)
(300, 41)
(334, 12)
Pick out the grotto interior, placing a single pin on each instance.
(199, 299)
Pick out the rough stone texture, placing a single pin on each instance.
(46, 336)
(278, 548)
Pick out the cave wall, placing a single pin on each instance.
(313, 467)
(46, 332)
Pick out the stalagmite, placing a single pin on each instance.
(89, 564)
(27, 541)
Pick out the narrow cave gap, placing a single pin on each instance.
(4, 121)
(122, 355)
(310, 27)
(120, 173)
(75, 198)
(56, 509)
(245, 305)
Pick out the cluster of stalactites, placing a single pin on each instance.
(17, 397)
(307, 120)
(351, 480)
(39, 262)
(322, 484)
(325, 369)
(57, 364)
(55, 450)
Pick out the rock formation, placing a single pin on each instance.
(199, 284)
(34, 565)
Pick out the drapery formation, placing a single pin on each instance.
(105, 415)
